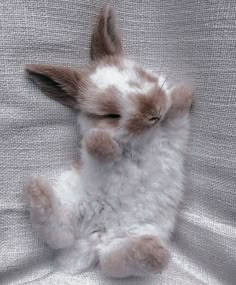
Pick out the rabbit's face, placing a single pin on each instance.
(112, 92)
(121, 96)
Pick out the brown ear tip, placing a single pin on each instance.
(30, 68)
(108, 10)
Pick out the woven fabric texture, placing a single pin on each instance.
(187, 39)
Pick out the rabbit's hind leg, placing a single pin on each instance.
(52, 222)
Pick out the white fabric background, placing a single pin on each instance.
(188, 39)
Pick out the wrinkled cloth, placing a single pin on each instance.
(188, 40)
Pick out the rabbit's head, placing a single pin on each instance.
(112, 92)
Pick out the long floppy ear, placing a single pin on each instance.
(59, 83)
(106, 38)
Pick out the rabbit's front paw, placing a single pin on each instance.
(181, 100)
(101, 145)
(38, 196)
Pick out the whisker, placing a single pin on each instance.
(163, 84)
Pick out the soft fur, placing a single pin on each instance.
(119, 208)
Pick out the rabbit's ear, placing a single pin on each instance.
(59, 83)
(106, 38)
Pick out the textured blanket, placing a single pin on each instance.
(187, 39)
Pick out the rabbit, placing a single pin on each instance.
(118, 209)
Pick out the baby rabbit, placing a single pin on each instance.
(118, 209)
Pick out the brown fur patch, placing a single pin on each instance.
(97, 103)
(59, 83)
(106, 38)
(135, 256)
(37, 188)
(108, 103)
(150, 253)
(150, 108)
(101, 145)
(37, 194)
(136, 125)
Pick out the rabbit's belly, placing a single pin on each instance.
(136, 196)
(134, 207)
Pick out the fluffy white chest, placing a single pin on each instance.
(139, 193)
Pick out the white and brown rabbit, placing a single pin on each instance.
(118, 209)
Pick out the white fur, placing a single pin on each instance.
(107, 76)
(133, 196)
(105, 202)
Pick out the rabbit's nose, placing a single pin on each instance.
(155, 116)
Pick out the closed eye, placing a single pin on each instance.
(112, 116)
(153, 119)
(107, 116)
